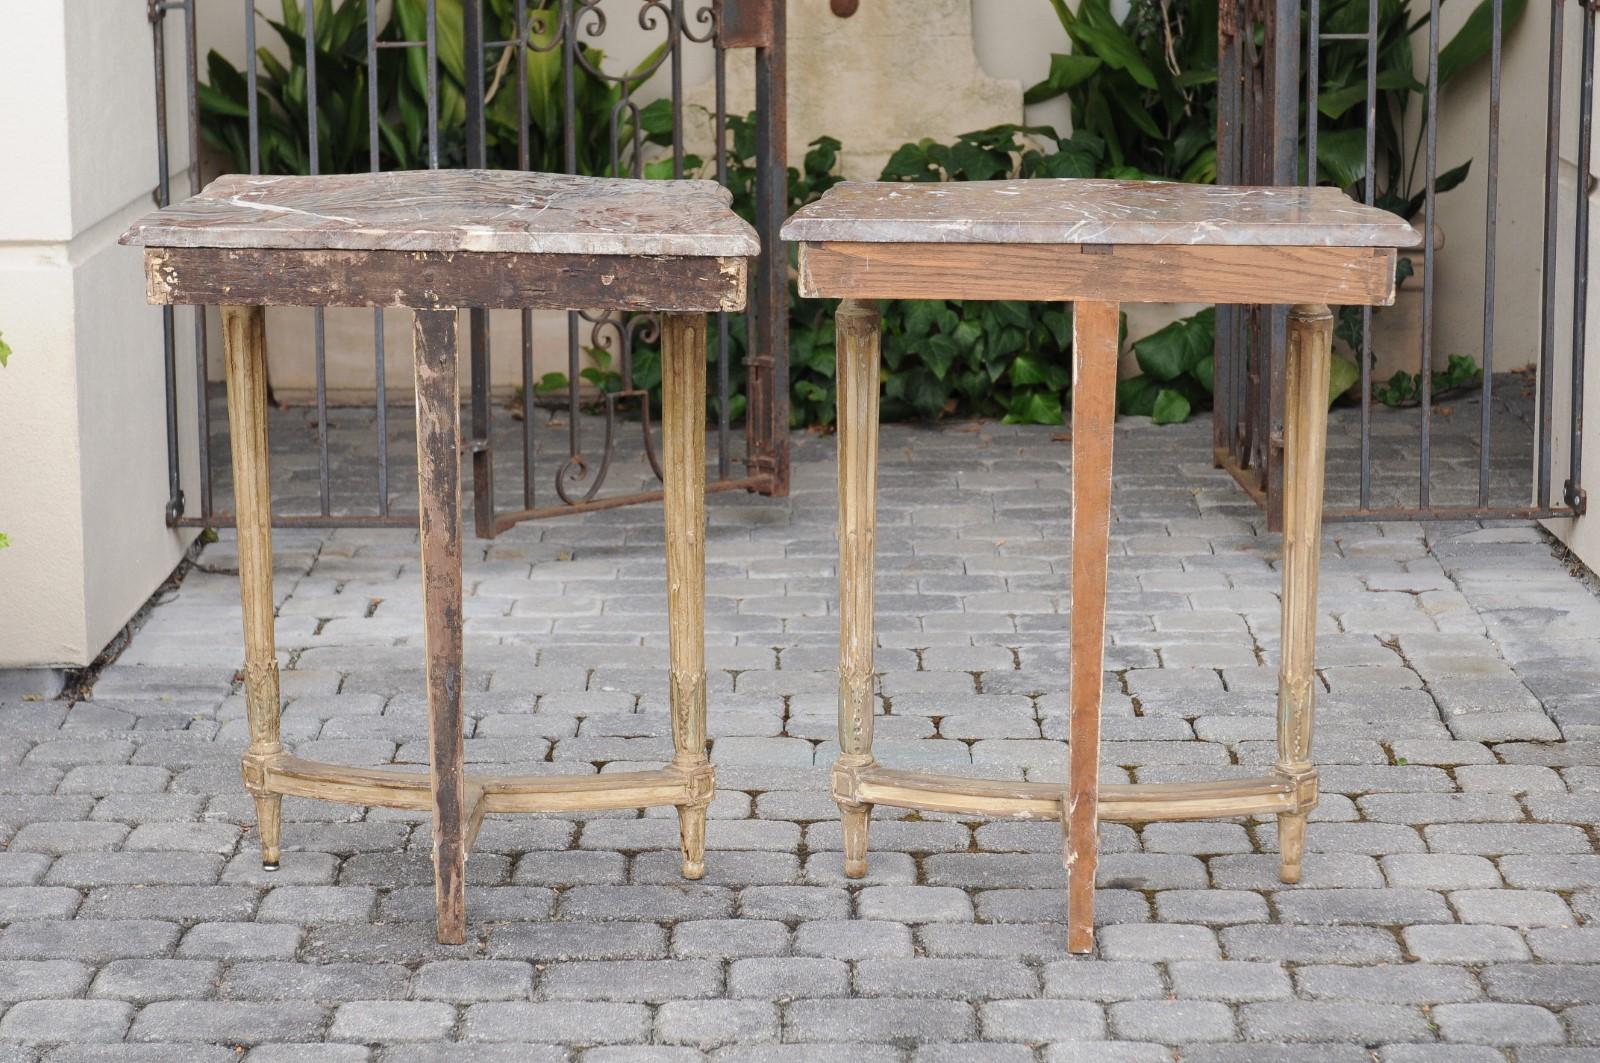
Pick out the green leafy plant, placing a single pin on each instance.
(1175, 370)
(997, 153)
(1398, 181)
(1140, 84)
(343, 144)
(1002, 358)
(1341, 131)
(1405, 389)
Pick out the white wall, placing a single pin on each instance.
(1582, 534)
(82, 429)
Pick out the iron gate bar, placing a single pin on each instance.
(559, 24)
(379, 360)
(1547, 331)
(1253, 62)
(169, 365)
(318, 315)
(478, 440)
(1572, 491)
(1369, 197)
(1430, 192)
(1491, 228)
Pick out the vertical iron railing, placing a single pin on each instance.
(541, 28)
(1265, 137)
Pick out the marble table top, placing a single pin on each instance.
(1085, 211)
(456, 210)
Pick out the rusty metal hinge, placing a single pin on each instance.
(1575, 497)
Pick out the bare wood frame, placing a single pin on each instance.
(459, 799)
(436, 280)
(860, 272)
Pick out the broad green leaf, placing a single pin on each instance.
(939, 354)
(214, 102)
(1334, 102)
(919, 389)
(1059, 322)
(1034, 407)
(1066, 72)
(1342, 372)
(1170, 407)
(1475, 38)
(1116, 48)
(1342, 155)
(1170, 352)
(1136, 396)
(1011, 312)
(5, 352)
(1026, 370)
(921, 315)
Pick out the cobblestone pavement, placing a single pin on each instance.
(1444, 916)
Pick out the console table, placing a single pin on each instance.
(433, 242)
(1095, 244)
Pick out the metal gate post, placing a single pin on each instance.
(761, 24)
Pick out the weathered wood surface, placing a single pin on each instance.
(1094, 400)
(291, 776)
(1130, 273)
(1083, 211)
(456, 210)
(442, 279)
(439, 506)
(244, 345)
(858, 339)
(1305, 431)
(683, 469)
(1009, 799)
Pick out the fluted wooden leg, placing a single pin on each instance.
(1094, 390)
(858, 342)
(439, 503)
(1305, 431)
(683, 430)
(244, 340)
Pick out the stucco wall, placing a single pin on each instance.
(82, 432)
(1582, 534)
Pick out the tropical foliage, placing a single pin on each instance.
(344, 94)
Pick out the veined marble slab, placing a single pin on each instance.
(1085, 211)
(456, 210)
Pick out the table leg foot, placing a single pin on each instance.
(1291, 845)
(855, 819)
(269, 825)
(692, 840)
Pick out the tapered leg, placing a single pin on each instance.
(1305, 432)
(857, 374)
(439, 503)
(244, 340)
(1094, 390)
(683, 431)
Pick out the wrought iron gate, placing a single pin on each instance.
(1271, 56)
(440, 65)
